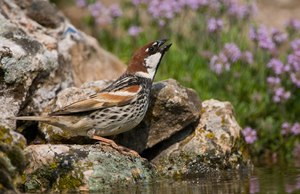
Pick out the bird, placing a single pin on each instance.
(119, 107)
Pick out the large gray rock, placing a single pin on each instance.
(41, 53)
(215, 144)
(58, 168)
(173, 108)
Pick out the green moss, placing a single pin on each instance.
(32, 185)
(69, 182)
(5, 136)
(53, 165)
(210, 135)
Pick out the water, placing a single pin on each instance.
(261, 180)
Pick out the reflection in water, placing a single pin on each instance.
(261, 180)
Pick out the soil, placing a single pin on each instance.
(276, 13)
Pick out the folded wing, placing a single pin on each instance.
(101, 100)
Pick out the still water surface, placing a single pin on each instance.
(260, 180)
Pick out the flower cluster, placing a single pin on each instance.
(163, 10)
(267, 40)
(294, 63)
(262, 38)
(281, 71)
(281, 95)
(240, 11)
(102, 14)
(277, 66)
(293, 25)
(232, 51)
(230, 54)
(219, 63)
(288, 128)
(134, 30)
(214, 24)
(250, 135)
(279, 92)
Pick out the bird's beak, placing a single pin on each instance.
(163, 48)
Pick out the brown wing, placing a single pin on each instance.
(101, 100)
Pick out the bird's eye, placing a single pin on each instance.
(151, 49)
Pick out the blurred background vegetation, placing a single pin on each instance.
(222, 51)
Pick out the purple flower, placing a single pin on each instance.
(278, 37)
(214, 5)
(281, 95)
(161, 23)
(219, 63)
(277, 66)
(253, 34)
(293, 25)
(295, 78)
(285, 128)
(238, 11)
(214, 25)
(115, 11)
(164, 8)
(215, 66)
(295, 44)
(96, 9)
(264, 39)
(81, 3)
(247, 57)
(295, 129)
(232, 52)
(250, 135)
(273, 81)
(134, 31)
(294, 61)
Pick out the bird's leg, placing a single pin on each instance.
(119, 148)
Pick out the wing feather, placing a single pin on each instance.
(101, 100)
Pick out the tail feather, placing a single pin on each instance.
(62, 122)
(32, 118)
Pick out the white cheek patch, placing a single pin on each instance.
(151, 63)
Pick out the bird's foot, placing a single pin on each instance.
(119, 148)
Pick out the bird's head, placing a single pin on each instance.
(146, 60)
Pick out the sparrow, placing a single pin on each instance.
(119, 107)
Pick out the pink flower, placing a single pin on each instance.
(134, 31)
(295, 129)
(214, 25)
(250, 135)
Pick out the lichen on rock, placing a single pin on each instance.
(213, 146)
(85, 167)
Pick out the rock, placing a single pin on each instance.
(216, 144)
(173, 108)
(41, 53)
(59, 168)
(12, 159)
